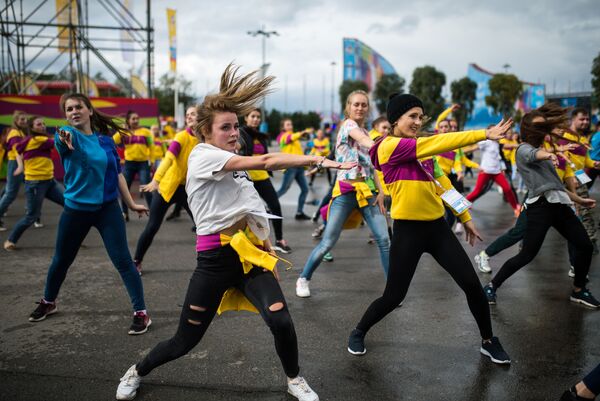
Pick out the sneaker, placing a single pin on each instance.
(315, 217)
(328, 257)
(482, 259)
(301, 216)
(495, 352)
(318, 231)
(571, 395)
(9, 246)
(356, 343)
(299, 388)
(458, 228)
(490, 293)
(44, 309)
(138, 266)
(371, 239)
(38, 224)
(585, 297)
(282, 246)
(130, 382)
(2, 227)
(141, 322)
(302, 287)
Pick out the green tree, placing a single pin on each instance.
(427, 84)
(165, 93)
(464, 92)
(596, 81)
(387, 84)
(273, 120)
(348, 87)
(505, 89)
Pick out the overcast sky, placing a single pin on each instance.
(552, 42)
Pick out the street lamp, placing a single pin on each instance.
(263, 68)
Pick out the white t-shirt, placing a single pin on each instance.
(218, 198)
(491, 163)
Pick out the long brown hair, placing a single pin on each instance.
(236, 95)
(16, 115)
(30, 122)
(100, 122)
(555, 122)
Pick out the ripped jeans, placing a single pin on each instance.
(217, 270)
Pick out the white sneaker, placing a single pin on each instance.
(302, 288)
(458, 228)
(572, 272)
(129, 384)
(38, 225)
(483, 264)
(299, 388)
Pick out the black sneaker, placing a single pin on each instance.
(585, 297)
(571, 395)
(490, 294)
(282, 246)
(495, 352)
(44, 309)
(301, 216)
(141, 322)
(356, 343)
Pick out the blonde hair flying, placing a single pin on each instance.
(236, 95)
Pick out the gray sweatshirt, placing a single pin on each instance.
(539, 175)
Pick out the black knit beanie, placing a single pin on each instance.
(400, 104)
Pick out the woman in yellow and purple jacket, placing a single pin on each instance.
(167, 185)
(415, 182)
(139, 154)
(13, 182)
(33, 156)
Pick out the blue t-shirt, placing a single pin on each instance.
(595, 150)
(91, 170)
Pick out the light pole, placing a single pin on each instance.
(333, 64)
(263, 68)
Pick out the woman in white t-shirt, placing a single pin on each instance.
(236, 265)
(491, 170)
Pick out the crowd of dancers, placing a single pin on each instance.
(406, 185)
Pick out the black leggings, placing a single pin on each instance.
(410, 240)
(540, 217)
(158, 209)
(217, 270)
(269, 195)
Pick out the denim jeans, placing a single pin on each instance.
(129, 171)
(73, 227)
(340, 209)
(11, 189)
(35, 193)
(291, 174)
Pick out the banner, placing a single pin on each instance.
(361, 63)
(138, 86)
(48, 108)
(172, 24)
(534, 96)
(126, 38)
(66, 14)
(89, 87)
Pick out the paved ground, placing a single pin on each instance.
(426, 350)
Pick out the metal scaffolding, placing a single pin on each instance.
(43, 31)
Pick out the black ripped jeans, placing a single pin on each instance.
(217, 270)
